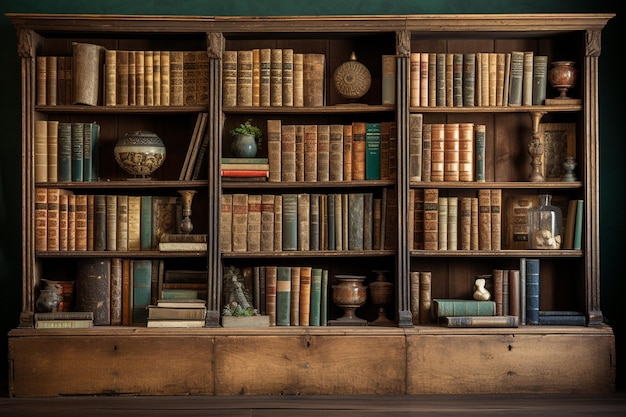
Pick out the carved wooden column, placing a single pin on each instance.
(403, 260)
(215, 48)
(535, 147)
(592, 195)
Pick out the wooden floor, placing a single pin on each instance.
(328, 406)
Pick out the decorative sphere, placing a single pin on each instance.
(352, 79)
(140, 153)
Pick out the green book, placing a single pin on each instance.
(540, 75)
(77, 136)
(515, 84)
(452, 307)
(145, 227)
(141, 281)
(64, 163)
(283, 296)
(372, 151)
(355, 221)
(479, 157)
(91, 133)
(578, 227)
(316, 295)
(324, 299)
(242, 160)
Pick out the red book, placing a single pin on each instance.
(245, 173)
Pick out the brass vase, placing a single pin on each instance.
(562, 76)
(381, 294)
(350, 294)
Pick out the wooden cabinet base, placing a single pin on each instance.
(342, 361)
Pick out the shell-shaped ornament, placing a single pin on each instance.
(352, 79)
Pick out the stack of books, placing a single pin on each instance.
(177, 313)
(247, 169)
(64, 320)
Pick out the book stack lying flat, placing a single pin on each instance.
(64, 320)
(177, 313)
(247, 169)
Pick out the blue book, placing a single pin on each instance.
(532, 291)
(324, 299)
(145, 227)
(578, 227)
(316, 294)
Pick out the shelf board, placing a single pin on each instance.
(307, 184)
(498, 109)
(126, 184)
(506, 253)
(498, 184)
(337, 109)
(77, 109)
(144, 254)
(310, 254)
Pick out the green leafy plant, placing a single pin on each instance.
(234, 309)
(248, 128)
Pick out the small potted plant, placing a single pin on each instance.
(247, 140)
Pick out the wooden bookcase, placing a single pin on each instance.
(323, 359)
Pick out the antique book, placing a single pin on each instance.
(134, 223)
(516, 226)
(335, 153)
(315, 234)
(294, 310)
(426, 152)
(440, 76)
(93, 288)
(166, 213)
(288, 153)
(63, 324)
(514, 292)
(469, 79)
(355, 221)
(314, 69)
(437, 152)
(359, 150)
(283, 296)
(41, 75)
(156, 78)
(77, 141)
(372, 151)
(446, 307)
(388, 80)
(522, 290)
(303, 221)
(253, 236)
(202, 79)
(507, 79)
(145, 222)
(265, 57)
(121, 80)
(63, 315)
(368, 221)
(276, 77)
(116, 284)
(451, 151)
(287, 77)
(184, 323)
(52, 218)
(479, 152)
(393, 151)
(316, 295)
(177, 96)
(67, 230)
(562, 318)
(274, 149)
(299, 138)
(323, 152)
(385, 150)
(432, 79)
(457, 80)
(348, 142)
(290, 222)
(181, 303)
(527, 78)
(64, 220)
(517, 76)
(132, 78)
(498, 293)
(453, 221)
(87, 60)
(267, 223)
(465, 222)
(306, 273)
(466, 151)
(165, 87)
(91, 136)
(500, 61)
(414, 79)
(110, 77)
(278, 223)
(415, 146)
(244, 78)
(200, 143)
(414, 297)
(496, 218)
(449, 75)
(532, 291)
(442, 227)
(540, 79)
(80, 225)
(424, 58)
(271, 277)
(141, 284)
(493, 74)
(148, 70)
(431, 221)
(484, 219)
(298, 80)
(425, 295)
(140, 78)
(41, 151)
(64, 162)
(190, 75)
(121, 234)
(418, 219)
(239, 222)
(160, 312)
(324, 299)
(52, 149)
(41, 219)
(310, 153)
(578, 226)
(480, 321)
(100, 222)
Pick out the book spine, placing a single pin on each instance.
(425, 302)
(335, 157)
(290, 222)
(122, 223)
(41, 151)
(278, 223)
(274, 149)
(316, 294)
(267, 223)
(540, 75)
(41, 219)
(372, 151)
(310, 153)
(532, 291)
(453, 308)
(240, 222)
(451, 152)
(479, 153)
(324, 299)
(314, 69)
(298, 80)
(276, 77)
(457, 80)
(466, 152)
(431, 221)
(294, 310)
(253, 232)
(469, 79)
(437, 152)
(303, 215)
(414, 79)
(517, 74)
(415, 146)
(80, 225)
(315, 234)
(323, 152)
(442, 227)
(388, 80)
(440, 75)
(77, 151)
(495, 198)
(355, 219)
(93, 286)
(52, 150)
(432, 79)
(283, 296)
(453, 221)
(305, 295)
(484, 220)
(578, 230)
(287, 77)
(527, 78)
(426, 152)
(288, 153)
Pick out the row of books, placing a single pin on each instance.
(446, 151)
(302, 222)
(439, 222)
(420, 295)
(273, 77)
(477, 79)
(335, 152)
(66, 151)
(185, 313)
(131, 78)
(85, 222)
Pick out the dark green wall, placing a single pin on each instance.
(612, 149)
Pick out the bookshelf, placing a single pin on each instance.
(570, 278)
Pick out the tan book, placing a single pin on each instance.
(71, 222)
(496, 219)
(432, 79)
(414, 288)
(451, 152)
(122, 78)
(132, 78)
(134, 223)
(358, 150)
(298, 80)
(294, 310)
(339, 224)
(140, 79)
(229, 78)
(165, 78)
(51, 80)
(475, 224)
(278, 223)
(267, 222)
(122, 223)
(465, 222)
(335, 152)
(484, 220)
(41, 219)
(415, 146)
(266, 64)
(288, 153)
(437, 152)
(411, 219)
(466, 151)
(431, 219)
(314, 69)
(226, 223)
(52, 204)
(276, 77)
(41, 151)
(202, 78)
(156, 77)
(111, 222)
(110, 77)
(274, 149)
(148, 71)
(453, 223)
(310, 153)
(305, 295)
(304, 222)
(323, 152)
(493, 73)
(425, 297)
(86, 67)
(449, 72)
(271, 272)
(482, 63)
(63, 221)
(500, 78)
(177, 97)
(498, 277)
(80, 225)
(256, 76)
(527, 78)
(348, 142)
(388, 80)
(426, 152)
(442, 219)
(287, 77)
(240, 222)
(40, 89)
(414, 79)
(254, 223)
(190, 75)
